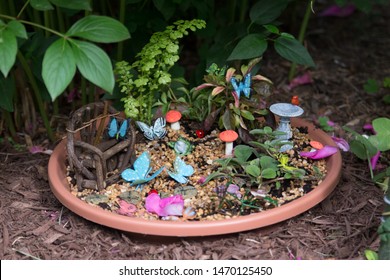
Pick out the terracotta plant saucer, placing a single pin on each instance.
(61, 189)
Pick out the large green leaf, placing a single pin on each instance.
(58, 67)
(252, 45)
(18, 29)
(41, 5)
(266, 11)
(8, 50)
(73, 4)
(100, 29)
(291, 49)
(7, 92)
(94, 64)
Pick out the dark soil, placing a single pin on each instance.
(347, 51)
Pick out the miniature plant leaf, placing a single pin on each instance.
(251, 46)
(381, 138)
(99, 29)
(8, 50)
(371, 86)
(293, 50)
(253, 170)
(58, 67)
(268, 173)
(243, 153)
(94, 64)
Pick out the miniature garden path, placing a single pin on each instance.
(347, 51)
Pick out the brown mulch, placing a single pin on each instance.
(347, 51)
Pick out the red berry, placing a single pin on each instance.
(200, 133)
(152, 191)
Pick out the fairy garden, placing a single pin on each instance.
(214, 152)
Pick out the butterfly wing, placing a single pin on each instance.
(113, 128)
(140, 169)
(235, 86)
(247, 85)
(159, 130)
(123, 129)
(182, 170)
(147, 130)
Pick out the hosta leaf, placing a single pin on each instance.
(8, 50)
(58, 67)
(252, 45)
(294, 51)
(99, 29)
(94, 64)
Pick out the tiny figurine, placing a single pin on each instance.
(156, 131)
(173, 117)
(228, 136)
(182, 146)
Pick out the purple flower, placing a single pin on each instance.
(337, 11)
(374, 160)
(326, 151)
(341, 143)
(201, 180)
(169, 206)
(234, 189)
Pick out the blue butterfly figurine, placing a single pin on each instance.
(118, 131)
(244, 86)
(156, 131)
(141, 168)
(181, 171)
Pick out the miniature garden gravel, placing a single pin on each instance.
(210, 201)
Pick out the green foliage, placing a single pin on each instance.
(224, 106)
(371, 86)
(149, 74)
(262, 30)
(258, 162)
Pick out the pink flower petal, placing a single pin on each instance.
(337, 11)
(341, 143)
(169, 206)
(300, 80)
(374, 160)
(369, 127)
(36, 149)
(326, 151)
(126, 209)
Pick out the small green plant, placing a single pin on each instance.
(146, 80)
(372, 149)
(235, 108)
(373, 86)
(259, 163)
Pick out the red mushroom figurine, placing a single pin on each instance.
(173, 117)
(228, 136)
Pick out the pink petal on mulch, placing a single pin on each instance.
(126, 209)
(300, 80)
(326, 151)
(374, 160)
(341, 143)
(337, 11)
(169, 206)
(39, 150)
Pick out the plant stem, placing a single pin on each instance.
(34, 24)
(23, 8)
(37, 95)
(122, 14)
(301, 36)
(10, 123)
(83, 90)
